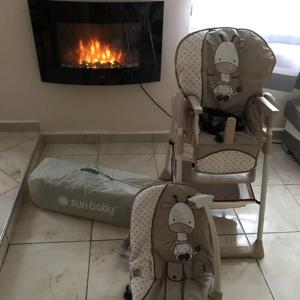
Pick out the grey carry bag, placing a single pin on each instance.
(77, 189)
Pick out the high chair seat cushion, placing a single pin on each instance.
(216, 158)
(226, 162)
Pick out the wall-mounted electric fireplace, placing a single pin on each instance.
(98, 42)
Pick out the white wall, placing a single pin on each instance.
(81, 108)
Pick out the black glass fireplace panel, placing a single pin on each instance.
(92, 45)
(98, 43)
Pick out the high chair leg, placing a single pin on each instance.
(263, 197)
(256, 250)
(179, 106)
(263, 193)
(165, 175)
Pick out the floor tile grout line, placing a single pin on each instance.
(120, 239)
(270, 185)
(276, 232)
(294, 198)
(6, 252)
(72, 154)
(3, 194)
(27, 164)
(231, 234)
(287, 188)
(129, 153)
(89, 262)
(265, 279)
(66, 242)
(154, 158)
(18, 144)
(154, 148)
(277, 174)
(60, 154)
(10, 176)
(108, 240)
(98, 153)
(241, 225)
(156, 166)
(247, 238)
(49, 242)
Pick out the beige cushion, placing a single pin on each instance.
(226, 162)
(216, 158)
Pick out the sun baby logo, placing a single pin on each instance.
(100, 207)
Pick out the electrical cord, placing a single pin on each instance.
(155, 102)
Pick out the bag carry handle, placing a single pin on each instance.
(98, 172)
(95, 172)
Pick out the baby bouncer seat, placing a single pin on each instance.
(174, 252)
(222, 112)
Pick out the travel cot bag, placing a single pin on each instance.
(77, 189)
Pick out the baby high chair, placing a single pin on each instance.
(224, 114)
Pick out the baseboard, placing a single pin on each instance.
(117, 137)
(19, 126)
(104, 137)
(277, 133)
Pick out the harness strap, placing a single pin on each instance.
(213, 121)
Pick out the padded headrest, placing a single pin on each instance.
(223, 67)
(175, 214)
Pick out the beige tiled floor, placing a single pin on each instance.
(70, 149)
(6, 203)
(53, 256)
(281, 264)
(282, 214)
(45, 271)
(16, 149)
(137, 163)
(35, 225)
(86, 159)
(108, 274)
(127, 148)
(108, 232)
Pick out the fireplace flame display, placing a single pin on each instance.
(96, 54)
(98, 46)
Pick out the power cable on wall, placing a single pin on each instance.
(155, 102)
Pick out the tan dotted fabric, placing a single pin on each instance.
(141, 258)
(224, 162)
(189, 64)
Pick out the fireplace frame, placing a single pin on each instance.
(45, 14)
